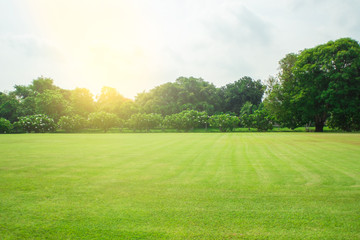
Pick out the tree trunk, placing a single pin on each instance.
(320, 122)
(319, 127)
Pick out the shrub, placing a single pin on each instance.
(39, 123)
(225, 122)
(5, 126)
(72, 123)
(262, 120)
(186, 120)
(103, 120)
(143, 121)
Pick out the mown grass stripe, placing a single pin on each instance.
(180, 186)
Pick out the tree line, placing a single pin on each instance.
(318, 86)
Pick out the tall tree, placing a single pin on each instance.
(328, 84)
(280, 100)
(322, 83)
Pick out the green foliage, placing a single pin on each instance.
(72, 123)
(184, 94)
(280, 100)
(51, 103)
(8, 107)
(110, 100)
(172, 121)
(27, 106)
(319, 84)
(127, 109)
(143, 121)
(244, 90)
(225, 122)
(41, 84)
(39, 123)
(22, 92)
(261, 120)
(186, 120)
(5, 126)
(103, 120)
(81, 101)
(245, 119)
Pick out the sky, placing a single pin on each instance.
(135, 45)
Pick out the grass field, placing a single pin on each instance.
(180, 186)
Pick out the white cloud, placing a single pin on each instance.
(135, 45)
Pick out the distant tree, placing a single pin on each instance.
(183, 94)
(51, 103)
(22, 92)
(280, 100)
(198, 95)
(127, 109)
(110, 100)
(244, 90)
(5, 126)
(162, 99)
(82, 102)
(103, 120)
(41, 84)
(8, 107)
(247, 109)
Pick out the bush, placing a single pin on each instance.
(186, 120)
(72, 123)
(5, 126)
(225, 122)
(39, 123)
(143, 121)
(103, 120)
(262, 120)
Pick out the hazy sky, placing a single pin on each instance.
(135, 45)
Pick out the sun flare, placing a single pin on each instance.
(103, 43)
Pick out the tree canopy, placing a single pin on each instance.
(320, 84)
(316, 87)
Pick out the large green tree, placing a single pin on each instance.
(318, 85)
(328, 84)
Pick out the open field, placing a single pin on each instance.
(180, 186)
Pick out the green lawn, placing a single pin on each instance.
(180, 186)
